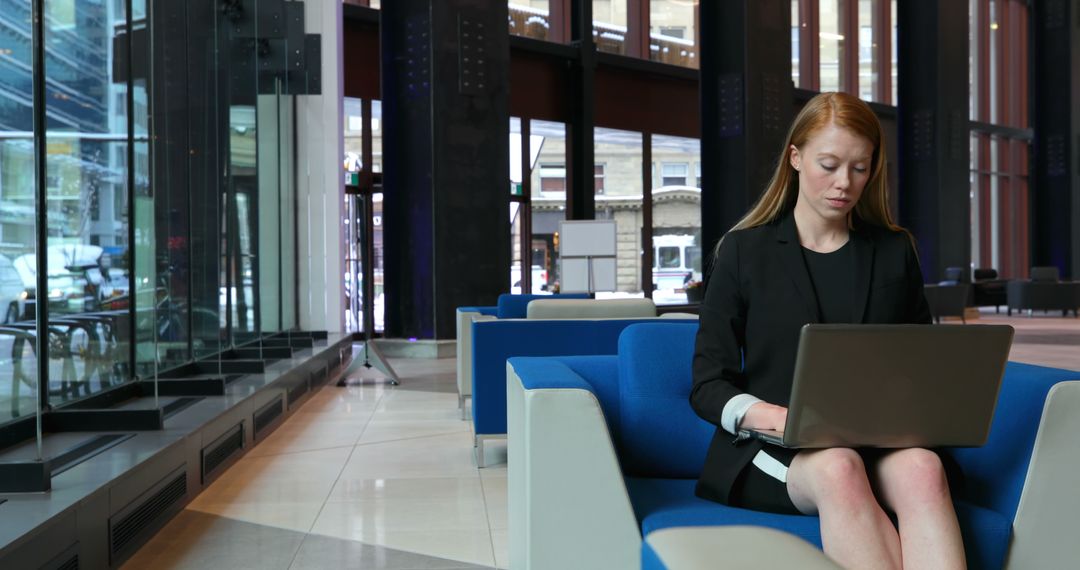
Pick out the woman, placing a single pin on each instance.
(819, 246)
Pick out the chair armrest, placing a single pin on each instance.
(465, 319)
(1044, 530)
(567, 503)
(700, 548)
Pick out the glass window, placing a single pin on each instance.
(547, 202)
(354, 126)
(517, 209)
(893, 67)
(552, 178)
(87, 261)
(598, 182)
(669, 257)
(673, 32)
(868, 64)
(795, 45)
(674, 174)
(621, 200)
(676, 215)
(830, 44)
(530, 18)
(18, 277)
(610, 25)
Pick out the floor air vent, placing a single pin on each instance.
(266, 415)
(68, 559)
(220, 450)
(297, 392)
(133, 521)
(70, 564)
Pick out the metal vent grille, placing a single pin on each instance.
(70, 564)
(297, 392)
(215, 454)
(266, 415)
(125, 530)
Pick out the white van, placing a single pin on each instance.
(676, 262)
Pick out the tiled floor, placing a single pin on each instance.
(381, 477)
(368, 476)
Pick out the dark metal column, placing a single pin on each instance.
(581, 177)
(445, 66)
(934, 153)
(746, 96)
(1055, 187)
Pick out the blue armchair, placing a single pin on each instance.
(494, 341)
(604, 450)
(508, 306)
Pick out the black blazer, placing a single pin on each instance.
(758, 297)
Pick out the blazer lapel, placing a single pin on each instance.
(791, 257)
(864, 266)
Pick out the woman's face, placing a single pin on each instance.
(833, 166)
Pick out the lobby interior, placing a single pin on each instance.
(235, 198)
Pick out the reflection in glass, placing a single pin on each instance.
(362, 219)
(548, 181)
(87, 260)
(209, 136)
(18, 289)
(530, 18)
(620, 199)
(609, 25)
(676, 218)
(377, 266)
(673, 32)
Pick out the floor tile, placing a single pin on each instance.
(368, 521)
(295, 516)
(200, 541)
(353, 490)
(437, 456)
(495, 502)
(468, 546)
(323, 552)
(502, 553)
(386, 427)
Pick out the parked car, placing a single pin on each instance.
(13, 295)
(75, 279)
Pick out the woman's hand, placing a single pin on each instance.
(763, 415)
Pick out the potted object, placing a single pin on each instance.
(695, 291)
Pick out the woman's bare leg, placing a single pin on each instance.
(912, 483)
(855, 531)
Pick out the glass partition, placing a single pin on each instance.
(18, 278)
(206, 45)
(87, 262)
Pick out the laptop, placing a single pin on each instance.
(893, 386)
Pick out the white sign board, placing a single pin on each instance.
(587, 251)
(587, 275)
(587, 238)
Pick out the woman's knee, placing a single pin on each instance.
(918, 475)
(841, 473)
